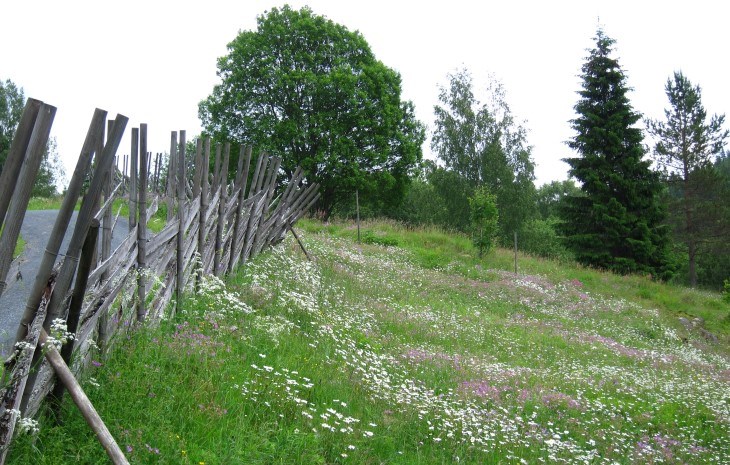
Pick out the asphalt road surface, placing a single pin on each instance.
(35, 231)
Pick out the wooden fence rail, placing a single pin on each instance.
(213, 226)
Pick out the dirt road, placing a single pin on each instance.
(35, 231)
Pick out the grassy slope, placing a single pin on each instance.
(418, 353)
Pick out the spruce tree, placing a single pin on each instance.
(616, 223)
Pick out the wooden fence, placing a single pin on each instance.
(213, 226)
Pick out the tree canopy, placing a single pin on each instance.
(12, 100)
(483, 144)
(617, 223)
(311, 91)
(686, 145)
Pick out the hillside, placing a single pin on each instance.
(407, 349)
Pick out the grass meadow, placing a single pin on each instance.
(407, 349)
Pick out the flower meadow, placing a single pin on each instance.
(368, 356)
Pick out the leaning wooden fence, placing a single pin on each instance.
(213, 226)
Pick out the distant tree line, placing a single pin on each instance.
(51, 172)
(311, 91)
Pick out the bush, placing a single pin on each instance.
(539, 237)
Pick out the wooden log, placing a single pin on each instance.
(222, 188)
(254, 180)
(171, 177)
(83, 220)
(122, 250)
(56, 307)
(83, 403)
(299, 241)
(198, 167)
(12, 393)
(181, 183)
(16, 154)
(74, 311)
(203, 207)
(61, 224)
(108, 202)
(133, 176)
(23, 188)
(217, 168)
(142, 230)
(160, 239)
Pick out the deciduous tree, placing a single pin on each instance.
(313, 92)
(482, 143)
(12, 101)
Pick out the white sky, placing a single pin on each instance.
(153, 61)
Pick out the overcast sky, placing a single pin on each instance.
(154, 61)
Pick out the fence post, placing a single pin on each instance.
(59, 227)
(142, 229)
(133, 177)
(243, 167)
(357, 210)
(23, 188)
(16, 155)
(74, 311)
(171, 177)
(515, 252)
(83, 220)
(222, 186)
(181, 220)
(203, 209)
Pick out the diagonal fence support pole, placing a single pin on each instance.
(82, 402)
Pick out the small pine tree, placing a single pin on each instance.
(616, 223)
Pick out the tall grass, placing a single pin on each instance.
(408, 349)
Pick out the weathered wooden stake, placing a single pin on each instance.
(74, 310)
(133, 177)
(142, 229)
(357, 209)
(181, 219)
(515, 252)
(83, 403)
(23, 188)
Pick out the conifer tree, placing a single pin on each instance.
(687, 144)
(617, 222)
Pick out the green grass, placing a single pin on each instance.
(407, 349)
(156, 223)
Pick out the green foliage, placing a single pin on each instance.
(484, 219)
(370, 237)
(453, 191)
(539, 237)
(50, 174)
(686, 144)
(617, 223)
(483, 144)
(311, 91)
(12, 101)
(726, 291)
(549, 196)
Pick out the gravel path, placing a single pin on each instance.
(35, 231)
